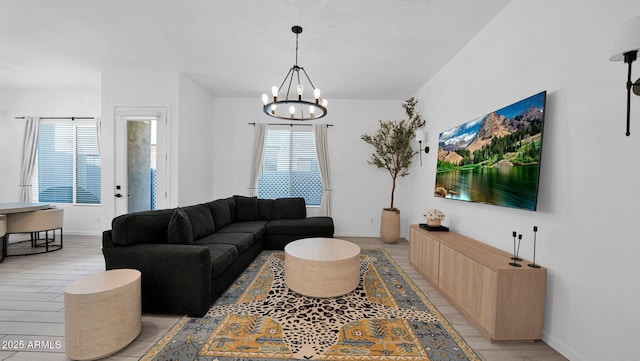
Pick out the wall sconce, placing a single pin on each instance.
(419, 135)
(626, 46)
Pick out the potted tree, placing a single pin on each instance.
(393, 152)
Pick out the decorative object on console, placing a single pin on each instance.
(534, 265)
(434, 229)
(298, 107)
(625, 48)
(494, 159)
(515, 257)
(516, 250)
(434, 217)
(393, 152)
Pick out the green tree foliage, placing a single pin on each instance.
(392, 143)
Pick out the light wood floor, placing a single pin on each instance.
(32, 306)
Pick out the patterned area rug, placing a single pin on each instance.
(258, 318)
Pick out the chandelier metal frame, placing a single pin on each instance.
(296, 107)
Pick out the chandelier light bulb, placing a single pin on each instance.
(324, 102)
(274, 91)
(273, 109)
(292, 110)
(265, 98)
(300, 89)
(316, 93)
(312, 110)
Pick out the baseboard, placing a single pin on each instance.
(561, 348)
(81, 233)
(362, 235)
(348, 234)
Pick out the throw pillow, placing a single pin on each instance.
(265, 208)
(221, 213)
(201, 220)
(179, 230)
(247, 208)
(289, 208)
(141, 227)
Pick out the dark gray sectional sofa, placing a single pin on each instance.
(190, 255)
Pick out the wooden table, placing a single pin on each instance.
(17, 207)
(322, 267)
(102, 313)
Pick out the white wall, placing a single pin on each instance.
(128, 89)
(360, 191)
(190, 117)
(195, 167)
(81, 219)
(588, 205)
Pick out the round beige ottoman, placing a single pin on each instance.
(322, 267)
(102, 313)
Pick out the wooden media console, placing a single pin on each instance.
(503, 302)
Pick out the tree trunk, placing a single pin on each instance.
(393, 189)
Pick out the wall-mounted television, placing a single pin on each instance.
(494, 159)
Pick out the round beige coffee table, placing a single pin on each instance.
(102, 313)
(322, 267)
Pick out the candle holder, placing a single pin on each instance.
(534, 265)
(515, 257)
(516, 251)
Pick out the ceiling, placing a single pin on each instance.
(356, 49)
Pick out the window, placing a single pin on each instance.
(68, 163)
(290, 166)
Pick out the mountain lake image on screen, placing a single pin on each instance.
(494, 159)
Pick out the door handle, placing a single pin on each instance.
(118, 195)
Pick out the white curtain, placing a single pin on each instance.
(98, 134)
(322, 149)
(29, 151)
(260, 132)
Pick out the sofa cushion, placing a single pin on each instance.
(256, 228)
(179, 230)
(232, 207)
(311, 227)
(247, 208)
(222, 256)
(220, 212)
(289, 208)
(242, 241)
(141, 227)
(265, 209)
(201, 220)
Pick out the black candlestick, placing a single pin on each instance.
(534, 265)
(516, 251)
(515, 256)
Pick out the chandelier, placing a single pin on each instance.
(294, 106)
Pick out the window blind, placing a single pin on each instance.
(55, 163)
(87, 165)
(68, 164)
(290, 166)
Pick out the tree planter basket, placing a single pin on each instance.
(390, 226)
